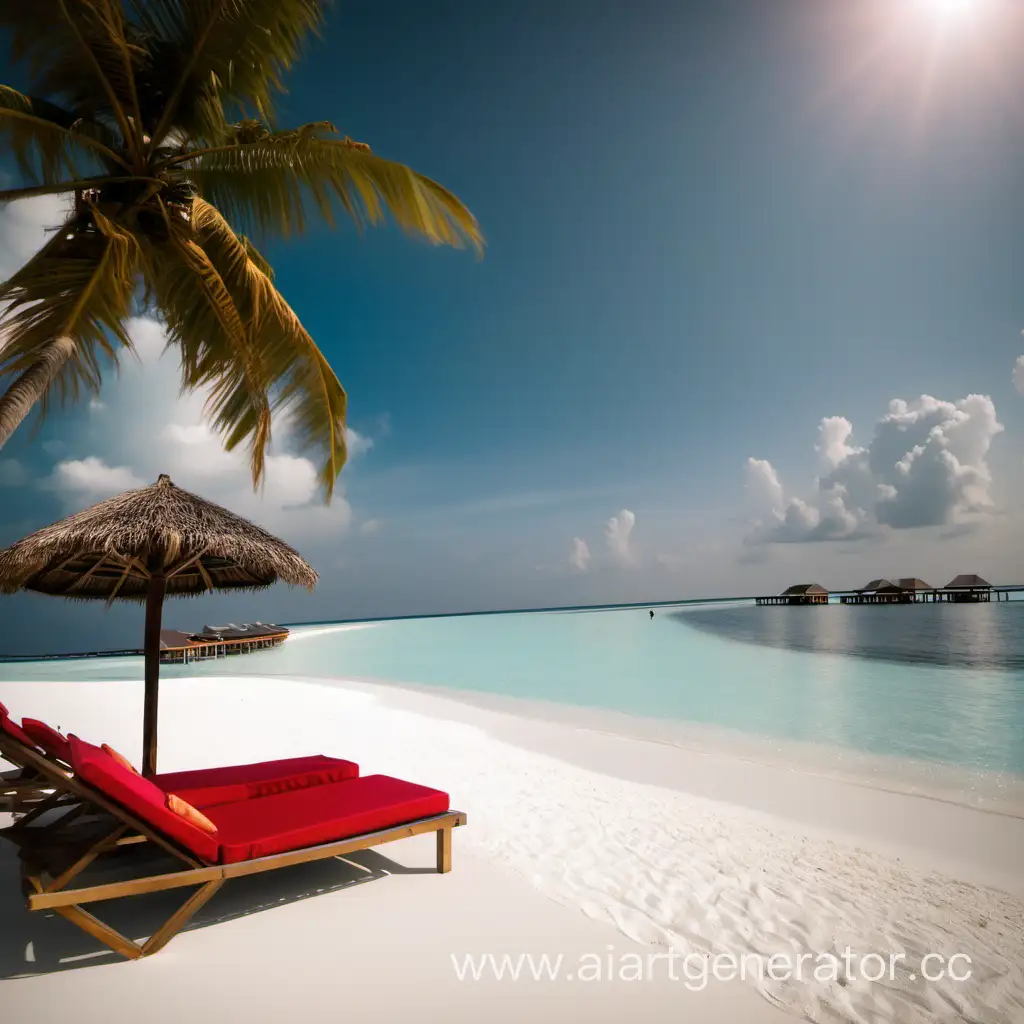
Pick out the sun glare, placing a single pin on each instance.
(951, 8)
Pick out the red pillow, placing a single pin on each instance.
(49, 739)
(3, 710)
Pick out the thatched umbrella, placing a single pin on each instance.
(144, 545)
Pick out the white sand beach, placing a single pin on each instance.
(580, 843)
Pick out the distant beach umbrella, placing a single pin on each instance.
(145, 545)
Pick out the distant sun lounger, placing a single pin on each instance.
(260, 832)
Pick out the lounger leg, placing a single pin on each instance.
(181, 917)
(444, 850)
(98, 930)
(132, 950)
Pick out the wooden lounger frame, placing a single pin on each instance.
(21, 789)
(56, 858)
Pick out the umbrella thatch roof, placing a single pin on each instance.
(113, 549)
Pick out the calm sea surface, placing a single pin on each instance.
(939, 683)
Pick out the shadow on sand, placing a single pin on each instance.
(43, 942)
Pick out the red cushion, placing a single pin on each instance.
(320, 814)
(139, 796)
(49, 739)
(3, 709)
(15, 731)
(208, 787)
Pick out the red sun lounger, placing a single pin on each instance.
(244, 837)
(24, 787)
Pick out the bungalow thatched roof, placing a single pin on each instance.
(799, 589)
(112, 550)
(876, 585)
(968, 582)
(913, 583)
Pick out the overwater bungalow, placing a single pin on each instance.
(219, 641)
(878, 591)
(799, 593)
(970, 588)
(905, 590)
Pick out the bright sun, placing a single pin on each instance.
(951, 7)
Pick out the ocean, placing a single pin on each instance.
(942, 684)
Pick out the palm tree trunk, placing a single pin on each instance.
(17, 401)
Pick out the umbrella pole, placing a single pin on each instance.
(151, 642)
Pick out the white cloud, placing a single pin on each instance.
(149, 428)
(763, 488)
(12, 473)
(293, 479)
(925, 466)
(25, 226)
(579, 557)
(370, 527)
(357, 444)
(833, 433)
(148, 338)
(90, 479)
(617, 532)
(1018, 374)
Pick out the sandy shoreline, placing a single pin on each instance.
(931, 817)
(997, 792)
(661, 847)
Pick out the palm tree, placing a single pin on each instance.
(158, 126)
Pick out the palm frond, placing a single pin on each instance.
(272, 184)
(150, 105)
(79, 285)
(301, 378)
(78, 52)
(209, 328)
(101, 184)
(233, 52)
(49, 142)
(293, 369)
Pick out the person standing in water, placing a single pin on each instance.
(652, 613)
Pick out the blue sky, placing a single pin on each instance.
(711, 226)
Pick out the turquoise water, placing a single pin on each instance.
(967, 713)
